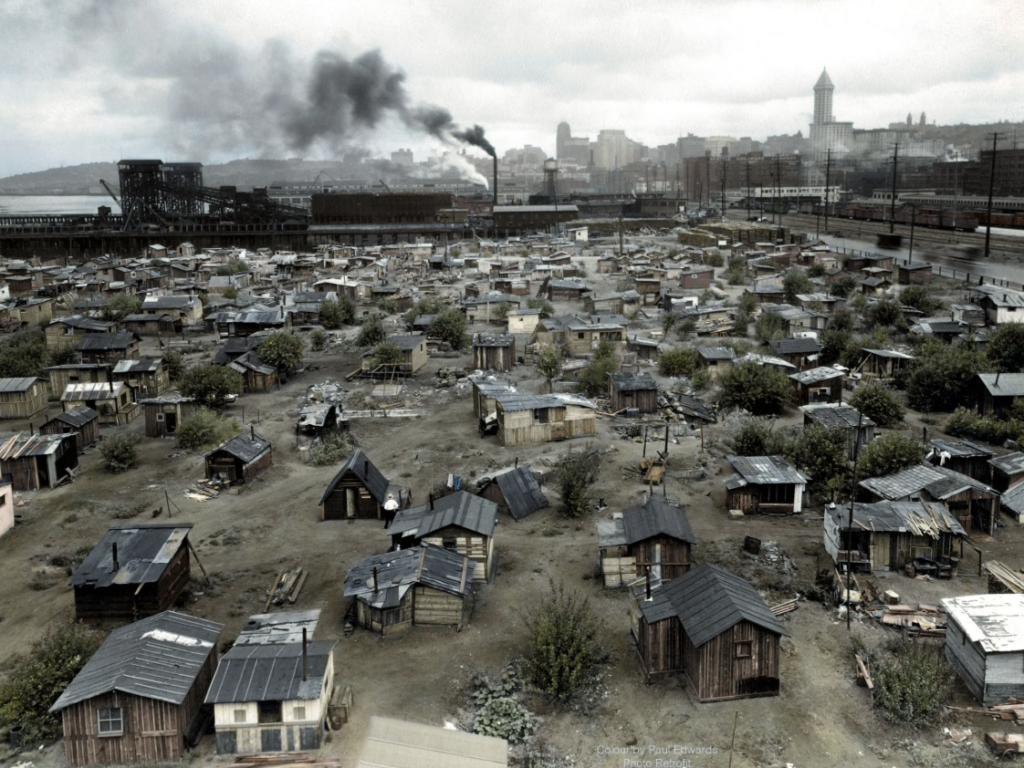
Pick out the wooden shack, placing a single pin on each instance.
(715, 360)
(803, 353)
(22, 397)
(460, 522)
(859, 428)
(629, 391)
(515, 490)
(884, 364)
(996, 393)
(240, 459)
(766, 485)
(651, 537)
(531, 419)
(1007, 471)
(145, 377)
(153, 325)
(823, 384)
(494, 351)
(405, 587)
(82, 422)
(257, 376)
(112, 401)
(124, 707)
(272, 697)
(67, 332)
(136, 569)
(360, 491)
(962, 456)
(38, 461)
(889, 535)
(485, 389)
(76, 373)
(985, 645)
(164, 414)
(109, 347)
(915, 273)
(712, 626)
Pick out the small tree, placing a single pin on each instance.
(549, 365)
(1005, 348)
(796, 281)
(912, 680)
(210, 385)
(564, 654)
(38, 678)
(204, 429)
(593, 379)
(333, 448)
(175, 363)
(770, 327)
(230, 293)
(281, 350)
(424, 307)
(501, 311)
(679, 361)
(371, 333)
(920, 298)
(450, 327)
(879, 403)
(386, 354)
(755, 436)
(119, 452)
(119, 307)
(843, 285)
(757, 388)
(884, 314)
(941, 375)
(821, 453)
(817, 269)
(317, 340)
(334, 314)
(546, 310)
(575, 474)
(888, 455)
(23, 354)
(64, 356)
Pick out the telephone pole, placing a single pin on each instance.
(991, 190)
(892, 203)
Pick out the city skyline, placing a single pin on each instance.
(95, 82)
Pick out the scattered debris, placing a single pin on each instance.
(286, 588)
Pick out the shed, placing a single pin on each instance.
(257, 376)
(22, 397)
(147, 376)
(883, 364)
(997, 392)
(915, 273)
(272, 697)
(112, 401)
(985, 644)
(765, 485)
(1007, 471)
(633, 390)
(164, 414)
(401, 744)
(241, 458)
(485, 389)
(715, 359)
(651, 537)
(82, 422)
(494, 351)
(153, 325)
(360, 491)
(962, 456)
(888, 535)
(515, 490)
(972, 502)
(75, 373)
(135, 570)
(860, 429)
(523, 320)
(138, 699)
(530, 419)
(280, 627)
(68, 331)
(460, 522)
(413, 347)
(38, 461)
(1012, 502)
(714, 627)
(419, 585)
(803, 353)
(109, 347)
(823, 384)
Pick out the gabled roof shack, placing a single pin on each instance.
(157, 658)
(372, 478)
(461, 509)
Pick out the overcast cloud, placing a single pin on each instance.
(211, 81)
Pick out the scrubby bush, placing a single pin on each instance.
(120, 452)
(1005, 348)
(210, 385)
(912, 679)
(281, 350)
(940, 376)
(386, 354)
(888, 455)
(754, 436)
(564, 653)
(713, 258)
(205, 428)
(920, 298)
(334, 314)
(506, 719)
(39, 677)
(593, 379)
(119, 307)
(450, 327)
(879, 403)
(796, 281)
(549, 364)
(333, 448)
(175, 363)
(679, 361)
(701, 379)
(756, 388)
(24, 354)
(843, 285)
(822, 454)
(575, 474)
(372, 332)
(770, 327)
(546, 310)
(995, 430)
(318, 340)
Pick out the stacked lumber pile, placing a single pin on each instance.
(283, 760)
(1002, 579)
(923, 621)
(286, 588)
(783, 608)
(203, 490)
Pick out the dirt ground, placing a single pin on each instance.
(822, 719)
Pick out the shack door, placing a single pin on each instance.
(880, 554)
(171, 423)
(350, 502)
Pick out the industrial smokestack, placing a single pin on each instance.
(495, 190)
(113, 552)
(305, 656)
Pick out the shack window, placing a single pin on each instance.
(580, 335)
(449, 544)
(298, 713)
(540, 415)
(111, 722)
(239, 715)
(269, 711)
(744, 649)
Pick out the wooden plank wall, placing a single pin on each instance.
(660, 647)
(472, 545)
(674, 556)
(717, 674)
(432, 606)
(127, 601)
(153, 731)
(366, 507)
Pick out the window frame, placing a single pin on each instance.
(744, 649)
(105, 718)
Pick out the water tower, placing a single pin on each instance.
(550, 175)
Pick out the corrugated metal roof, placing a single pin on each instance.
(709, 600)
(142, 365)
(246, 447)
(995, 622)
(831, 416)
(939, 482)
(406, 342)
(888, 353)
(961, 448)
(633, 382)
(101, 342)
(399, 571)
(655, 517)
(85, 323)
(795, 346)
(717, 353)
(157, 658)
(518, 402)
(283, 627)
(521, 491)
(29, 445)
(76, 417)
(366, 471)
(816, 375)
(1011, 463)
(17, 384)
(143, 552)
(1003, 384)
(400, 744)
(493, 339)
(270, 673)
(462, 509)
(93, 390)
(766, 470)
(921, 518)
(1013, 499)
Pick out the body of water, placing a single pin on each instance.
(48, 205)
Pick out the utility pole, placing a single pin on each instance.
(991, 190)
(828, 175)
(892, 203)
(913, 219)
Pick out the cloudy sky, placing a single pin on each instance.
(85, 81)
